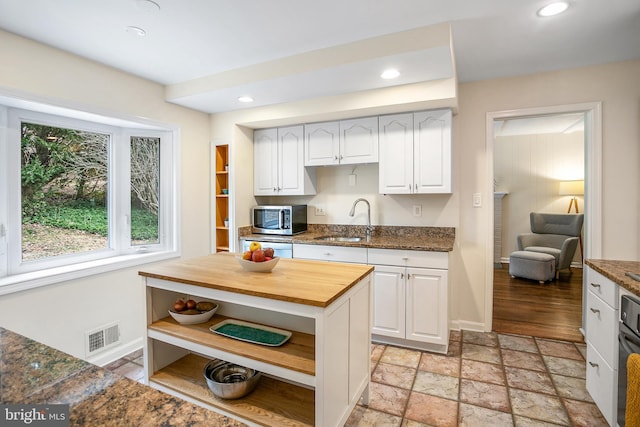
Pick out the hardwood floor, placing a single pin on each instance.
(551, 310)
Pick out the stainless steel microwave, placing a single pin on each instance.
(285, 220)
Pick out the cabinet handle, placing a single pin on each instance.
(593, 365)
(335, 157)
(341, 157)
(327, 254)
(416, 188)
(594, 310)
(402, 275)
(595, 285)
(405, 258)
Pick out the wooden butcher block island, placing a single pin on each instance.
(315, 378)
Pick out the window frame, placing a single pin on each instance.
(16, 275)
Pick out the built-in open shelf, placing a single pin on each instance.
(297, 354)
(222, 233)
(272, 402)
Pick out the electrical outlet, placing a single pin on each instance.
(320, 211)
(477, 200)
(352, 180)
(417, 210)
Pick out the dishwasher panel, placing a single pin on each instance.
(282, 250)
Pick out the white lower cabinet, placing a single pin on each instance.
(410, 304)
(602, 303)
(410, 298)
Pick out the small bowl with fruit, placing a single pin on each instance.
(190, 312)
(258, 259)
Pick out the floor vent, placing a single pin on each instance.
(102, 338)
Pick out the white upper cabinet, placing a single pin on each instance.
(432, 151)
(265, 163)
(415, 153)
(322, 144)
(342, 143)
(396, 154)
(359, 141)
(278, 161)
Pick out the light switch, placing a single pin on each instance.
(417, 210)
(477, 200)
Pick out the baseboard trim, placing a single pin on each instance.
(468, 326)
(116, 353)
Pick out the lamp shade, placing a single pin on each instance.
(571, 188)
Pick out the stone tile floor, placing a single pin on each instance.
(130, 366)
(486, 379)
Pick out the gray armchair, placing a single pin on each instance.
(553, 234)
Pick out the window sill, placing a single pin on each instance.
(36, 279)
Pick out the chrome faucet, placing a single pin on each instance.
(369, 228)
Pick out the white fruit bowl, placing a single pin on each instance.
(192, 319)
(258, 267)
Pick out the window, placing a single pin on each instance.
(80, 196)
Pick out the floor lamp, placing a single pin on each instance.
(573, 189)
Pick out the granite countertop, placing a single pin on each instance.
(436, 239)
(32, 373)
(615, 270)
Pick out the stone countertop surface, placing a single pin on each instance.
(615, 271)
(32, 373)
(435, 239)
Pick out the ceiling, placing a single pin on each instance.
(209, 52)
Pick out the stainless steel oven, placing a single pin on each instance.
(628, 343)
(283, 220)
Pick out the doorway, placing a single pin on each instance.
(592, 178)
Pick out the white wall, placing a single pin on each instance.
(66, 310)
(336, 197)
(529, 168)
(616, 85)
(59, 315)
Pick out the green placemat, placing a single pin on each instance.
(248, 333)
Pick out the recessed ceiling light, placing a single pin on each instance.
(553, 9)
(136, 31)
(245, 99)
(148, 5)
(390, 74)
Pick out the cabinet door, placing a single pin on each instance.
(290, 160)
(359, 141)
(427, 303)
(602, 384)
(396, 154)
(321, 144)
(388, 301)
(265, 162)
(602, 328)
(432, 151)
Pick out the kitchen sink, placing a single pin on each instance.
(338, 239)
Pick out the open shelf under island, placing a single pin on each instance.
(315, 378)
